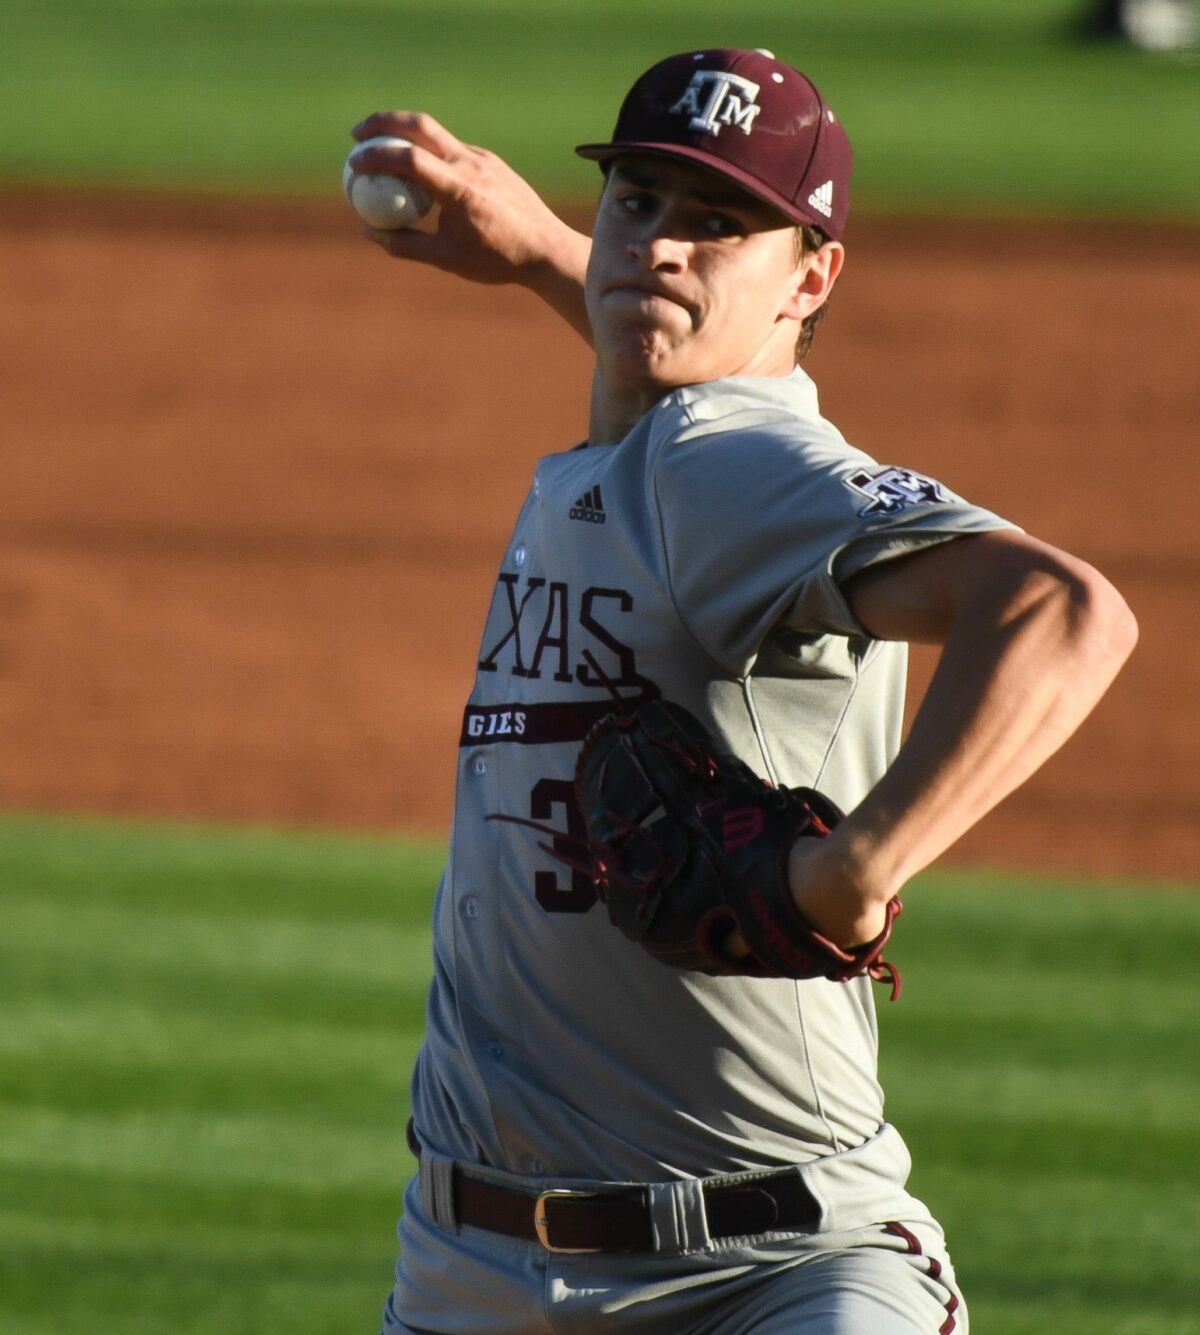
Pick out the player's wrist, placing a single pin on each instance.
(557, 257)
(555, 272)
(841, 884)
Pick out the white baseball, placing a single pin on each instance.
(384, 201)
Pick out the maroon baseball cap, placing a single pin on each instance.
(748, 117)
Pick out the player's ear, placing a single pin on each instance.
(812, 280)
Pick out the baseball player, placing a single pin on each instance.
(606, 1141)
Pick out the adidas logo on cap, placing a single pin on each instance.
(589, 507)
(821, 199)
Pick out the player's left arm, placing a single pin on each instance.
(1031, 639)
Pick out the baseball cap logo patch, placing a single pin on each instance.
(715, 98)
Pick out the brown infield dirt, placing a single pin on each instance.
(257, 479)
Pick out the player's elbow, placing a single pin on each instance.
(1111, 627)
(1096, 628)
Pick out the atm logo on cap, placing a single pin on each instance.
(715, 98)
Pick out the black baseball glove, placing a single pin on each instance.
(685, 843)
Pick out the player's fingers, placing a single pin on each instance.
(735, 945)
(439, 178)
(408, 243)
(417, 126)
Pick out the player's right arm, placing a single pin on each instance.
(492, 226)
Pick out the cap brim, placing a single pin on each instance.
(792, 211)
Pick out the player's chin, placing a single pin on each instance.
(654, 342)
(644, 340)
(651, 371)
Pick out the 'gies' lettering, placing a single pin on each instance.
(496, 723)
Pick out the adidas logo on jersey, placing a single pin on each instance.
(589, 507)
(821, 199)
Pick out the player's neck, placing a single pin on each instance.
(613, 415)
(617, 407)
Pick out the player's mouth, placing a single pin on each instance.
(646, 295)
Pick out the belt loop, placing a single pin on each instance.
(677, 1218)
(437, 1188)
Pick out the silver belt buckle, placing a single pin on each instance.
(541, 1221)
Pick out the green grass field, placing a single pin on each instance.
(207, 1036)
(979, 106)
(204, 1061)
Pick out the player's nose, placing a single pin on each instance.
(660, 252)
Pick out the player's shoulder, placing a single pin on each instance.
(759, 420)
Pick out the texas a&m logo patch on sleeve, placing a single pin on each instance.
(890, 490)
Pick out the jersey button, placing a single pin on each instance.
(519, 555)
(480, 765)
(469, 908)
(494, 1049)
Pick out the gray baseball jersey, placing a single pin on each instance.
(701, 559)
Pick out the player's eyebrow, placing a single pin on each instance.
(702, 186)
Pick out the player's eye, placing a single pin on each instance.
(721, 224)
(634, 201)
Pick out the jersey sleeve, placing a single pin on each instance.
(763, 522)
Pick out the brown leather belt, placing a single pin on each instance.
(618, 1220)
